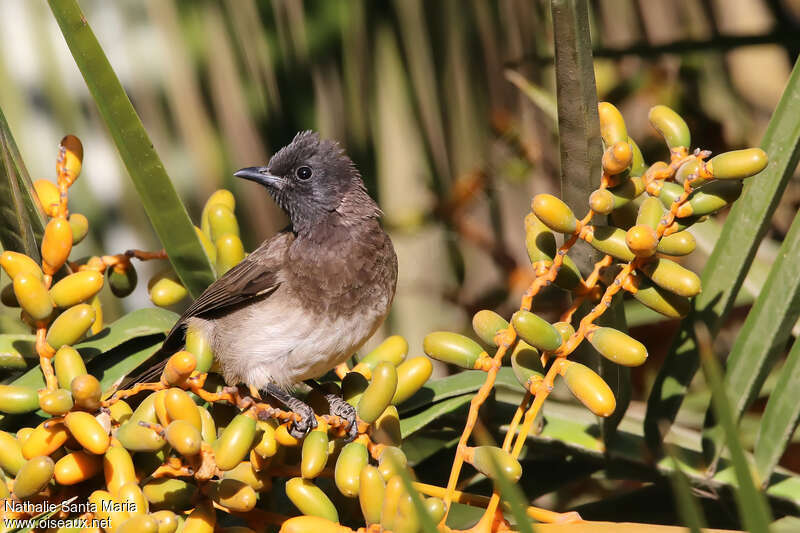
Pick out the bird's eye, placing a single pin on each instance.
(303, 173)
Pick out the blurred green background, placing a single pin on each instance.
(447, 107)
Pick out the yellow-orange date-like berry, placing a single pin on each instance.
(642, 240)
(56, 245)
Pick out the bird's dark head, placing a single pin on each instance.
(312, 179)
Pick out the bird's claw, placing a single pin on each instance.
(345, 411)
(308, 420)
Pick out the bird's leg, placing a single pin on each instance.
(308, 420)
(339, 407)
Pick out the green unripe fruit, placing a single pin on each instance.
(167, 521)
(393, 349)
(673, 277)
(452, 348)
(33, 476)
(611, 241)
(539, 240)
(170, 494)
(122, 281)
(79, 225)
(526, 363)
(612, 125)
(671, 126)
(379, 393)
(230, 252)
(618, 347)
(590, 389)
(11, 458)
(352, 459)
(68, 365)
(494, 462)
(260, 481)
(650, 212)
(370, 494)
(233, 494)
(487, 324)
(17, 399)
(679, 243)
(536, 331)
(565, 329)
(166, 289)
(568, 276)
(137, 438)
(310, 499)
(435, 509)
(411, 376)
(71, 325)
(738, 164)
(554, 213)
(689, 171)
(669, 193)
(710, 198)
(638, 166)
(660, 300)
(76, 288)
(314, 455)
(184, 438)
(391, 461)
(56, 403)
(32, 296)
(198, 345)
(233, 445)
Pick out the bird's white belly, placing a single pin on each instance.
(283, 345)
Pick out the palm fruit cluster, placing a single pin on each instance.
(187, 453)
(649, 210)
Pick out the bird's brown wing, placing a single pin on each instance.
(255, 276)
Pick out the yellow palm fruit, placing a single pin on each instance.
(33, 476)
(679, 243)
(314, 455)
(208, 429)
(411, 376)
(86, 392)
(285, 438)
(44, 440)
(79, 225)
(487, 324)
(221, 196)
(88, 432)
(161, 407)
(71, 325)
(260, 481)
(536, 331)
(234, 443)
(233, 494)
(230, 252)
(642, 240)
(673, 277)
(32, 296)
(590, 389)
(617, 346)
(661, 300)
(56, 402)
(18, 399)
(738, 164)
(435, 509)
(671, 126)
(15, 263)
(120, 411)
(565, 329)
(181, 407)
(554, 213)
(23, 434)
(526, 363)
(386, 428)
(611, 241)
(617, 157)
(407, 519)
(601, 201)
(310, 499)
(612, 125)
(267, 446)
(395, 491)
(393, 349)
(118, 468)
(312, 524)
(166, 289)
(107, 508)
(391, 461)
(122, 279)
(48, 195)
(77, 467)
(70, 164)
(167, 521)
(208, 246)
(68, 365)
(76, 288)
(179, 367)
(11, 458)
(202, 520)
(56, 245)
(133, 498)
(352, 459)
(171, 494)
(139, 524)
(371, 488)
(139, 439)
(452, 348)
(494, 462)
(221, 221)
(184, 437)
(198, 345)
(379, 393)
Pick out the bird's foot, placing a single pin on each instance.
(308, 420)
(345, 411)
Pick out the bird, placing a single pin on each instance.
(307, 298)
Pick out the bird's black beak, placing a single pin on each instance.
(260, 175)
